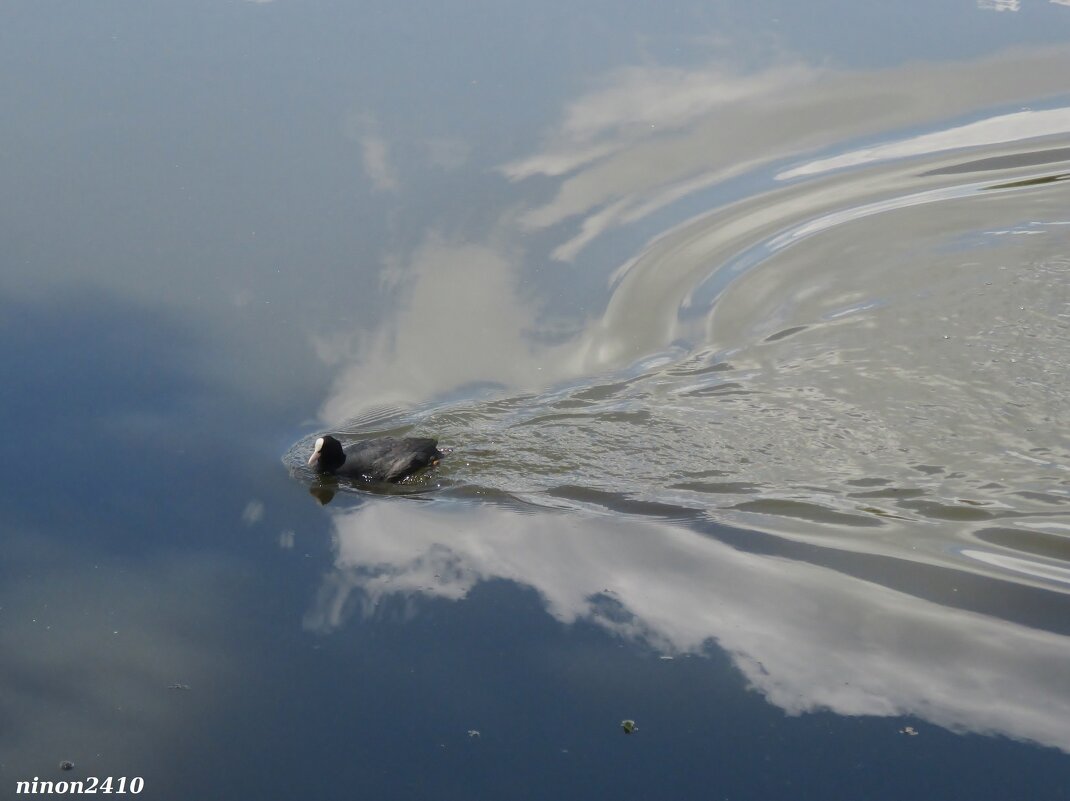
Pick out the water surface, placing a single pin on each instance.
(748, 328)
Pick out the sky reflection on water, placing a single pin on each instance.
(806, 637)
(747, 323)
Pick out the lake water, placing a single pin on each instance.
(748, 326)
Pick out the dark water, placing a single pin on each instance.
(748, 325)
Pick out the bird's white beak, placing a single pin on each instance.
(316, 450)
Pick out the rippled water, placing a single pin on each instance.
(867, 349)
(747, 325)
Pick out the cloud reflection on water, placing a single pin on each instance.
(993, 130)
(905, 344)
(741, 121)
(464, 322)
(807, 637)
(615, 162)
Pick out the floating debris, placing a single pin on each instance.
(629, 726)
(66, 765)
(473, 733)
(910, 731)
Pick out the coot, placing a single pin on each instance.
(384, 459)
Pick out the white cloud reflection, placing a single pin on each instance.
(461, 320)
(465, 310)
(253, 512)
(994, 130)
(808, 638)
(364, 129)
(646, 136)
(376, 158)
(631, 103)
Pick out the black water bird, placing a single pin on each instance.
(383, 459)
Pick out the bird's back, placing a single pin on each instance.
(389, 458)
